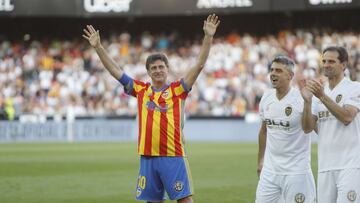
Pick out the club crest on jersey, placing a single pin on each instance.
(351, 195)
(338, 98)
(299, 198)
(288, 110)
(165, 95)
(178, 186)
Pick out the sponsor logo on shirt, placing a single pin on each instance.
(325, 115)
(152, 106)
(277, 124)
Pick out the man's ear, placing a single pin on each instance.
(291, 75)
(344, 65)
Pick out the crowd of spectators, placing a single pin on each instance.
(50, 76)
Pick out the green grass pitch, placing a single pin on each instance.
(107, 172)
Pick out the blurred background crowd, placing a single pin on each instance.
(49, 76)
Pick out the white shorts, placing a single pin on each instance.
(274, 188)
(339, 186)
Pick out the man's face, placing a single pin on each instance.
(332, 65)
(158, 71)
(280, 76)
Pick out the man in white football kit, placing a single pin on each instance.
(334, 113)
(284, 148)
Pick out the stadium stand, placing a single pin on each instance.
(46, 67)
(46, 77)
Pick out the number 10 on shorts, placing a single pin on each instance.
(142, 182)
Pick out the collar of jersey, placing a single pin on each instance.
(159, 90)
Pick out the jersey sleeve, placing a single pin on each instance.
(354, 97)
(315, 106)
(261, 106)
(132, 87)
(180, 89)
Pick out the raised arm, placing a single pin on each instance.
(344, 114)
(93, 37)
(262, 146)
(308, 121)
(210, 26)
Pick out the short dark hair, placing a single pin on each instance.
(343, 54)
(154, 57)
(290, 64)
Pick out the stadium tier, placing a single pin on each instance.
(46, 67)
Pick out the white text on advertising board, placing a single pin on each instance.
(223, 3)
(105, 6)
(329, 2)
(5, 5)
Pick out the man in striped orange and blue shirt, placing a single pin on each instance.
(163, 163)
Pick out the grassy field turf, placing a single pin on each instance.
(107, 172)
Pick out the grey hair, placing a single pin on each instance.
(290, 64)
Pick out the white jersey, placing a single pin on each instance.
(287, 146)
(339, 145)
